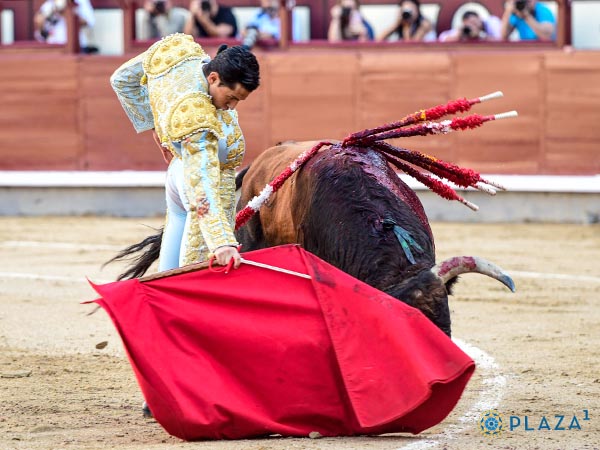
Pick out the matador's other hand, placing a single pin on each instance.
(223, 256)
(166, 154)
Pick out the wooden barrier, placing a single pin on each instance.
(59, 112)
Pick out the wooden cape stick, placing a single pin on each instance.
(205, 265)
(178, 271)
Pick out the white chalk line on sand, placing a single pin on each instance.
(493, 384)
(540, 275)
(58, 245)
(38, 277)
(76, 246)
(556, 276)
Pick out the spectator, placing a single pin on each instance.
(411, 25)
(473, 28)
(161, 18)
(51, 26)
(209, 19)
(532, 20)
(266, 24)
(347, 23)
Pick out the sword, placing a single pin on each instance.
(207, 265)
(275, 268)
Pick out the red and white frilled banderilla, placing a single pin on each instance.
(419, 123)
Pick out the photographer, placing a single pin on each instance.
(532, 20)
(347, 24)
(473, 28)
(161, 18)
(265, 25)
(209, 19)
(411, 25)
(51, 27)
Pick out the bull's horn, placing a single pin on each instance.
(453, 267)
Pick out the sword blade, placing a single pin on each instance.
(276, 269)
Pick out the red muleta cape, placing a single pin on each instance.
(257, 352)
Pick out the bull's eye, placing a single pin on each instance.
(388, 224)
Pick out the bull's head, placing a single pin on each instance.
(428, 289)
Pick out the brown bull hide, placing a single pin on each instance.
(275, 215)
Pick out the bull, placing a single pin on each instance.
(347, 205)
(350, 208)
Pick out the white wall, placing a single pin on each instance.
(8, 32)
(586, 25)
(108, 31)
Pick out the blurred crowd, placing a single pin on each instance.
(521, 20)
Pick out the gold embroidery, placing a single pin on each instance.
(227, 118)
(201, 161)
(236, 154)
(193, 243)
(230, 140)
(193, 112)
(227, 194)
(234, 159)
(170, 51)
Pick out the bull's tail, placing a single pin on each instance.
(142, 255)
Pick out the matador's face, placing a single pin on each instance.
(224, 97)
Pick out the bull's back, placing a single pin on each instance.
(274, 218)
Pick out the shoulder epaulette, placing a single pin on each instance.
(170, 51)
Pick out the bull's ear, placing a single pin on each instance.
(420, 301)
(417, 294)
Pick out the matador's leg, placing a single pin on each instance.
(176, 217)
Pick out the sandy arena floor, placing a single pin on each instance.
(538, 351)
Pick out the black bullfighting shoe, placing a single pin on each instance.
(146, 411)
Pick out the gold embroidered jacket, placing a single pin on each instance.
(164, 88)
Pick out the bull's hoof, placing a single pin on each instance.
(146, 411)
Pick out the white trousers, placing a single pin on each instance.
(177, 226)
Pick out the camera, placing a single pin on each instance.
(251, 37)
(271, 11)
(345, 17)
(520, 4)
(466, 31)
(406, 14)
(205, 5)
(160, 7)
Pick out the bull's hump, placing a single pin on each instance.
(374, 165)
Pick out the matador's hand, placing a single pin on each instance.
(223, 255)
(167, 155)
